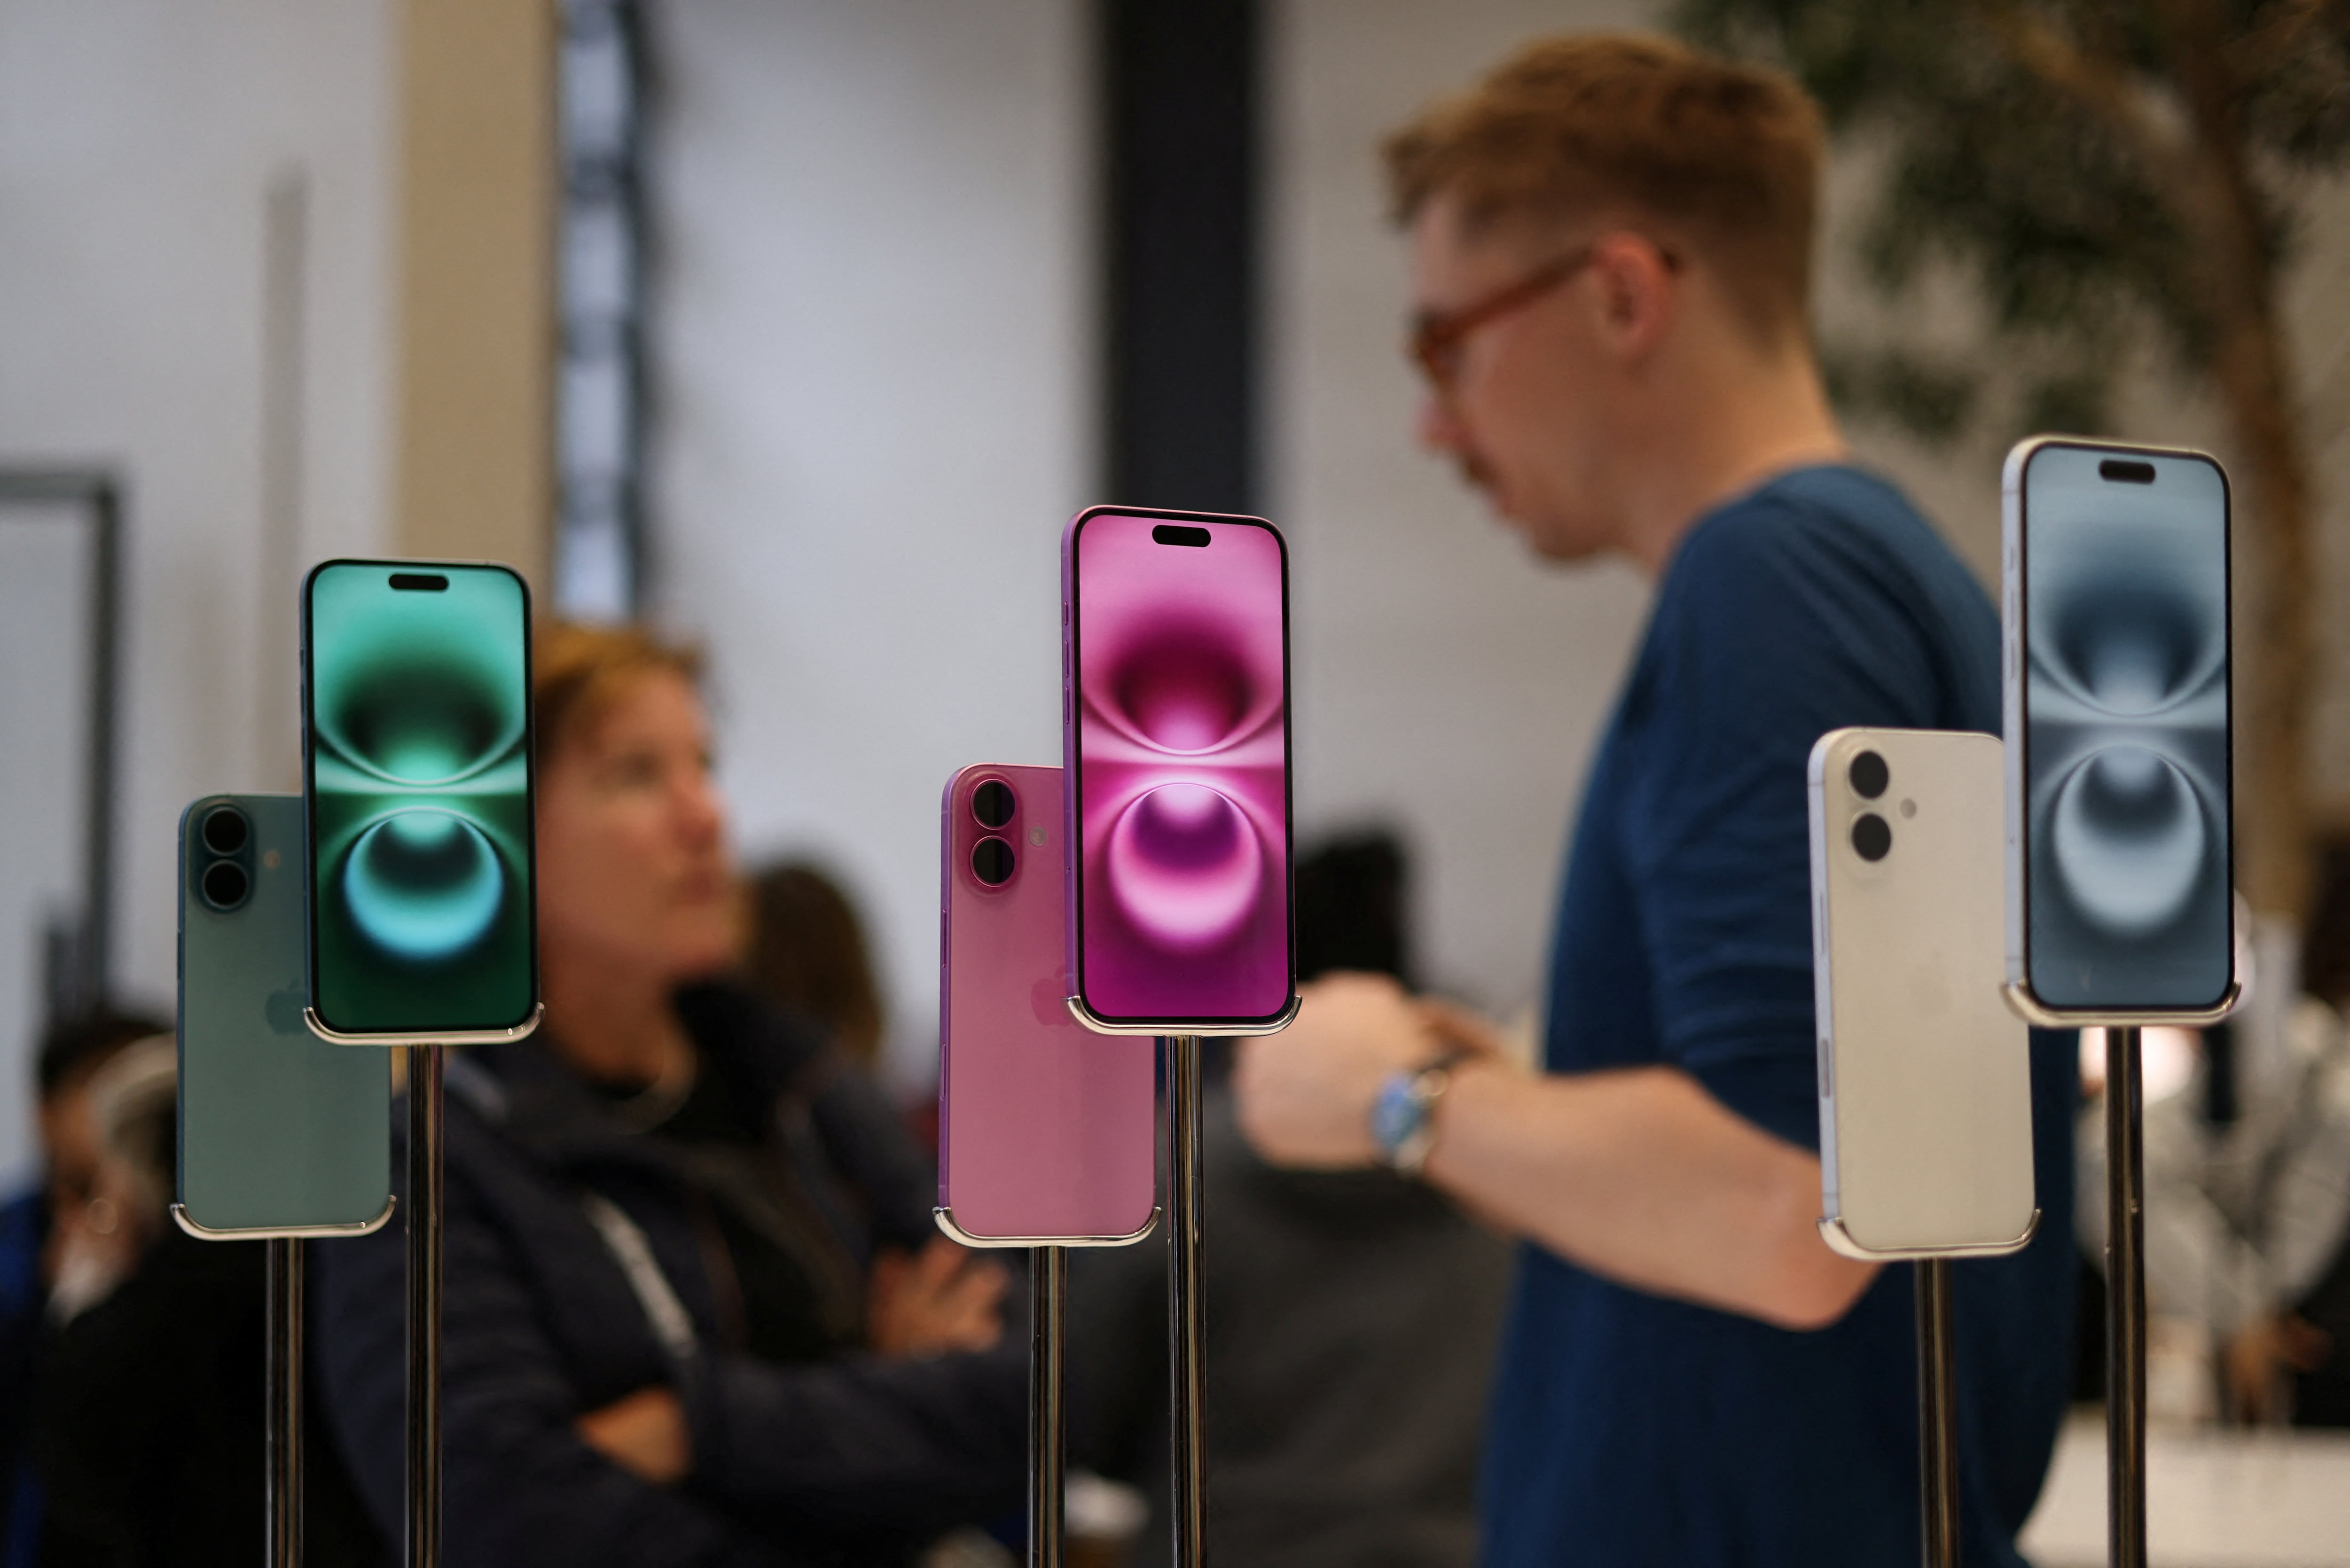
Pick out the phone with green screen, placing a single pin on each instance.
(280, 1133)
(417, 768)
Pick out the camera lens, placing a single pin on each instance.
(1871, 838)
(992, 803)
(225, 830)
(225, 884)
(1869, 775)
(991, 861)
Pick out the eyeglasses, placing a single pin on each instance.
(1439, 338)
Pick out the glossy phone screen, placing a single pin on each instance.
(2128, 858)
(1180, 756)
(417, 744)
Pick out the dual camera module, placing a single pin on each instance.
(992, 805)
(1872, 835)
(225, 837)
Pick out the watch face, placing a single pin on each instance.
(1397, 1114)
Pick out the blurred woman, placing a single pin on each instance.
(695, 1311)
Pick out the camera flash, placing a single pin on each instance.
(1037, 836)
(1909, 808)
(269, 858)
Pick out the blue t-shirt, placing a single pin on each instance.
(1629, 1428)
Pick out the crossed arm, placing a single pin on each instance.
(1638, 1174)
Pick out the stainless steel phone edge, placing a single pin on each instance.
(1840, 1241)
(203, 1232)
(1100, 1025)
(946, 1222)
(528, 1027)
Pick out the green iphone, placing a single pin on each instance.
(280, 1133)
(417, 757)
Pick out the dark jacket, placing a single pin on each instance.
(147, 1424)
(852, 1460)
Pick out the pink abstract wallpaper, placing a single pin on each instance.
(1183, 737)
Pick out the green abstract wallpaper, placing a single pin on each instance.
(420, 790)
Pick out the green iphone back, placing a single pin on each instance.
(280, 1132)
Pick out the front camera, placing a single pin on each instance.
(225, 830)
(225, 884)
(1872, 839)
(992, 803)
(1869, 775)
(991, 862)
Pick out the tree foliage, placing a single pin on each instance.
(2038, 149)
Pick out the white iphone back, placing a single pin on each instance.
(1925, 1076)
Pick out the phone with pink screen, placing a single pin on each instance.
(1046, 1134)
(1175, 674)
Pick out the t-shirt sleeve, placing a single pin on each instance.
(1774, 627)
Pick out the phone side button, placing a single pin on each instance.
(1827, 1070)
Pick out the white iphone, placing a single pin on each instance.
(1925, 1075)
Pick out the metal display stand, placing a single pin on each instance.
(1186, 1318)
(2125, 1300)
(425, 1063)
(1049, 1298)
(1938, 1415)
(283, 1394)
(2125, 1254)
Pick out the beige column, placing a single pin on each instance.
(473, 467)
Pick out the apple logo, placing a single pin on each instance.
(283, 1012)
(1050, 999)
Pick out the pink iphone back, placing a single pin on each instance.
(1047, 1132)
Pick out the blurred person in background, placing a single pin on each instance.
(807, 954)
(1611, 239)
(1352, 1317)
(696, 1311)
(2248, 1195)
(62, 1212)
(145, 1426)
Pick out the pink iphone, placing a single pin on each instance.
(1046, 1135)
(1175, 693)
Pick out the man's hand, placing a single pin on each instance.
(943, 1298)
(1304, 1096)
(644, 1434)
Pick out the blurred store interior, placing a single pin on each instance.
(800, 327)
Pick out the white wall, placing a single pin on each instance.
(137, 141)
(871, 387)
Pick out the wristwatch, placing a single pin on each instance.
(1403, 1118)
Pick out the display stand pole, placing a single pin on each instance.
(424, 1132)
(282, 1392)
(2125, 1301)
(1048, 1297)
(1185, 1317)
(1938, 1415)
